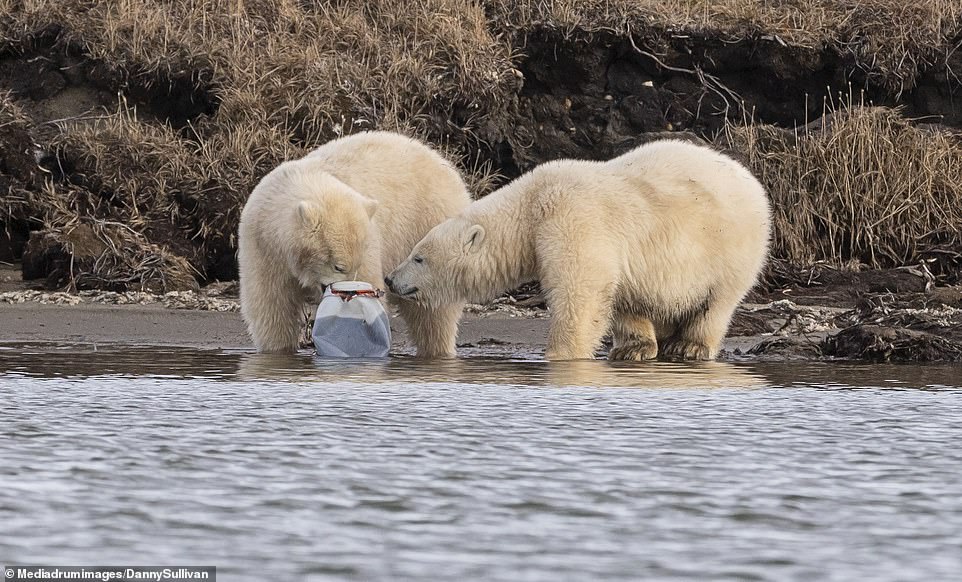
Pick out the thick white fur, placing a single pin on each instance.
(359, 203)
(658, 246)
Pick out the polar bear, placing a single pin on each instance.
(352, 209)
(658, 246)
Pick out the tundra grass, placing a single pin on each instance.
(288, 75)
(862, 185)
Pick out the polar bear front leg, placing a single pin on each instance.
(578, 322)
(633, 337)
(433, 329)
(580, 297)
(272, 304)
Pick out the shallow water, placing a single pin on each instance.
(480, 469)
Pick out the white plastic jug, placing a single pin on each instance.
(351, 322)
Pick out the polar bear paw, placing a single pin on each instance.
(635, 350)
(685, 350)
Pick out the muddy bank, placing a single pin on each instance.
(489, 334)
(595, 96)
(817, 323)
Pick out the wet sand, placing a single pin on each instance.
(156, 325)
(790, 327)
(159, 326)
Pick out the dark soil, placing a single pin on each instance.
(891, 316)
(889, 344)
(829, 286)
(597, 97)
(19, 175)
(53, 81)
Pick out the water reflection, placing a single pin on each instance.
(80, 361)
(598, 373)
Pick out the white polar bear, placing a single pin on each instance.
(353, 208)
(658, 246)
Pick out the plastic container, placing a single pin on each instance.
(351, 322)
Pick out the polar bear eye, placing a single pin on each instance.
(340, 269)
(418, 260)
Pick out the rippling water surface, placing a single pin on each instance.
(482, 469)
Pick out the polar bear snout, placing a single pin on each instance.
(389, 281)
(398, 286)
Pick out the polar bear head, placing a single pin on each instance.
(329, 235)
(447, 266)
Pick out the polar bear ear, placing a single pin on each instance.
(307, 213)
(473, 237)
(371, 207)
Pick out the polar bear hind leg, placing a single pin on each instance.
(699, 334)
(633, 338)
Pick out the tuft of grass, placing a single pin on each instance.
(152, 178)
(285, 76)
(313, 69)
(863, 185)
(100, 254)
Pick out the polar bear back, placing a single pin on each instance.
(702, 199)
(683, 221)
(404, 176)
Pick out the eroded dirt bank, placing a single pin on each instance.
(589, 96)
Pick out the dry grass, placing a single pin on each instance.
(112, 256)
(284, 76)
(12, 119)
(865, 186)
(314, 69)
(17, 164)
(149, 176)
(10, 113)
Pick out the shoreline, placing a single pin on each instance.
(489, 333)
(156, 325)
(826, 322)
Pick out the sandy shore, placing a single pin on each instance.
(156, 325)
(160, 326)
(911, 327)
(153, 324)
